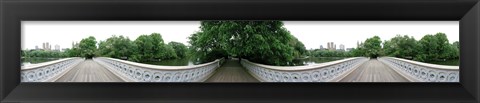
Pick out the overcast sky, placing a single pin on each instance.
(311, 33)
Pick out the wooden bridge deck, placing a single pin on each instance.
(89, 71)
(374, 71)
(231, 71)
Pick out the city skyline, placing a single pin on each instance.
(311, 33)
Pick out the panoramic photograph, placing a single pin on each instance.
(240, 51)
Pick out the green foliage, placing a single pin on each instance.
(43, 54)
(151, 48)
(74, 51)
(116, 47)
(435, 48)
(170, 52)
(456, 44)
(330, 53)
(373, 47)
(180, 49)
(430, 48)
(265, 42)
(87, 47)
(401, 46)
(299, 48)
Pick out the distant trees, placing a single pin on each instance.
(266, 42)
(43, 54)
(180, 49)
(74, 51)
(429, 48)
(143, 49)
(330, 53)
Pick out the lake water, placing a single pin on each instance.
(173, 62)
(314, 60)
(453, 62)
(26, 61)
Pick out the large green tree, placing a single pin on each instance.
(434, 48)
(258, 41)
(116, 47)
(87, 47)
(373, 47)
(401, 46)
(151, 48)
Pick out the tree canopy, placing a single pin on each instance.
(401, 46)
(428, 49)
(436, 47)
(116, 47)
(151, 48)
(266, 42)
(373, 47)
(180, 49)
(88, 47)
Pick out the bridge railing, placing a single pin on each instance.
(48, 71)
(138, 72)
(324, 72)
(422, 72)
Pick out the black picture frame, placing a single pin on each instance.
(14, 11)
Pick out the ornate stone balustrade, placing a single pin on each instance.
(138, 72)
(324, 72)
(48, 71)
(422, 72)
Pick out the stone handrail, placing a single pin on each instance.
(324, 72)
(422, 72)
(48, 71)
(138, 72)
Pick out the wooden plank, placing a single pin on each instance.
(231, 71)
(89, 71)
(374, 71)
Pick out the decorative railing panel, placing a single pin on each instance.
(138, 72)
(422, 72)
(324, 72)
(48, 71)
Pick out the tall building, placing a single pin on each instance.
(46, 46)
(36, 47)
(321, 47)
(342, 47)
(331, 46)
(57, 47)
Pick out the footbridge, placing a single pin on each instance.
(355, 69)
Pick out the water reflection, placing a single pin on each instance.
(174, 62)
(314, 60)
(27, 61)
